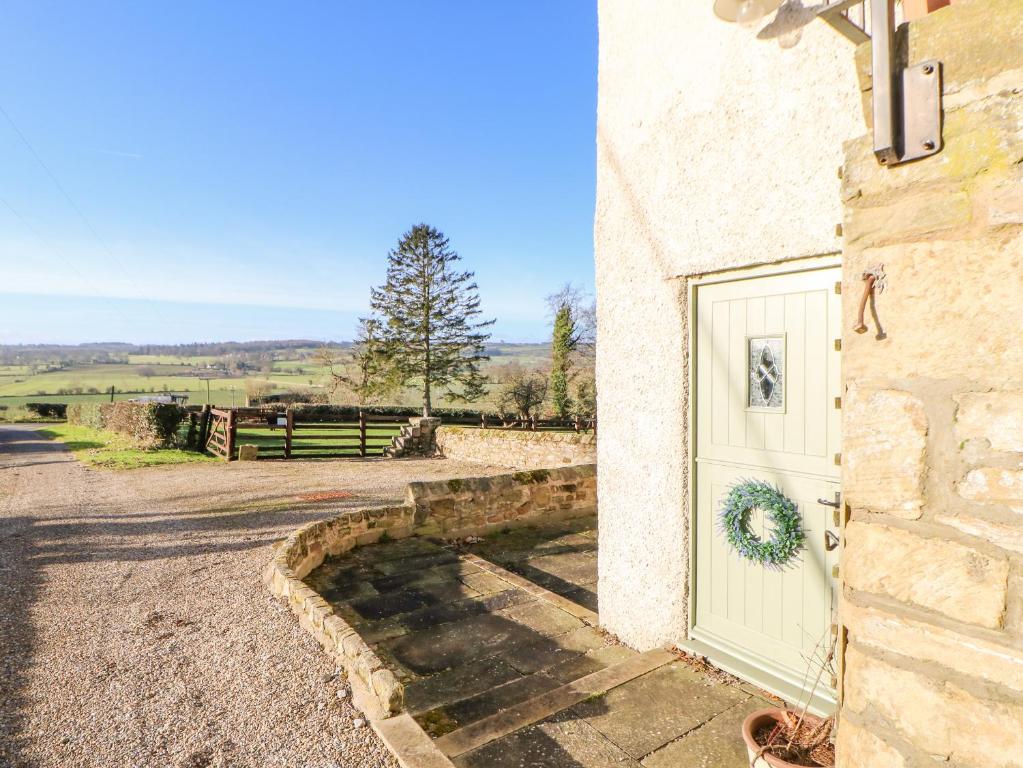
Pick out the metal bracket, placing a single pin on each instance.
(921, 111)
(834, 13)
(907, 102)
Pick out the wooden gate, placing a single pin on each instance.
(220, 433)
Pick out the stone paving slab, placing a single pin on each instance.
(715, 744)
(460, 713)
(525, 714)
(543, 618)
(558, 742)
(455, 684)
(647, 713)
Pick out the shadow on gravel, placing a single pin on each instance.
(19, 586)
(156, 535)
(92, 528)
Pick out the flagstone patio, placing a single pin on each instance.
(497, 644)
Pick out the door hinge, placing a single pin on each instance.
(838, 345)
(838, 402)
(838, 459)
(838, 285)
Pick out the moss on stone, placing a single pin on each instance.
(455, 485)
(532, 476)
(437, 722)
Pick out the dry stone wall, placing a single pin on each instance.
(932, 568)
(446, 508)
(459, 507)
(517, 448)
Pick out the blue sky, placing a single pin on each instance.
(260, 159)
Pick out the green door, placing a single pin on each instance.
(767, 383)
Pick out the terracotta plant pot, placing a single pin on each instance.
(917, 9)
(753, 723)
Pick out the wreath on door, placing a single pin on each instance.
(787, 538)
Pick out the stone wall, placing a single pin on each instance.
(444, 508)
(517, 448)
(933, 419)
(452, 508)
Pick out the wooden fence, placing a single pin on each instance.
(280, 435)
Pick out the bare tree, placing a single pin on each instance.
(364, 371)
(521, 392)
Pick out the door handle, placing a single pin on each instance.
(830, 541)
(835, 505)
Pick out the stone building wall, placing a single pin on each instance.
(933, 419)
(517, 448)
(717, 148)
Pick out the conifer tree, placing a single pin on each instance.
(561, 350)
(572, 344)
(429, 312)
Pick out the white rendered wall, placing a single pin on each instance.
(715, 149)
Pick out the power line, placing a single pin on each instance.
(67, 262)
(70, 201)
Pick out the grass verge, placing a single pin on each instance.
(113, 451)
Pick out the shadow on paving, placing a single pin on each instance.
(468, 645)
(465, 643)
(560, 557)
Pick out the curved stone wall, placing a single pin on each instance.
(444, 508)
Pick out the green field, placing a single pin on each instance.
(308, 440)
(224, 378)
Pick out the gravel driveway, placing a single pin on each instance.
(135, 629)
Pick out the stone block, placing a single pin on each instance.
(248, 452)
(922, 215)
(944, 576)
(1005, 535)
(883, 452)
(388, 690)
(957, 321)
(993, 485)
(940, 718)
(353, 646)
(929, 643)
(994, 416)
(334, 627)
(999, 202)
(857, 747)
(370, 537)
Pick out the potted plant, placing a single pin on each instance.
(917, 9)
(780, 738)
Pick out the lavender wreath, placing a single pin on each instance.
(787, 538)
